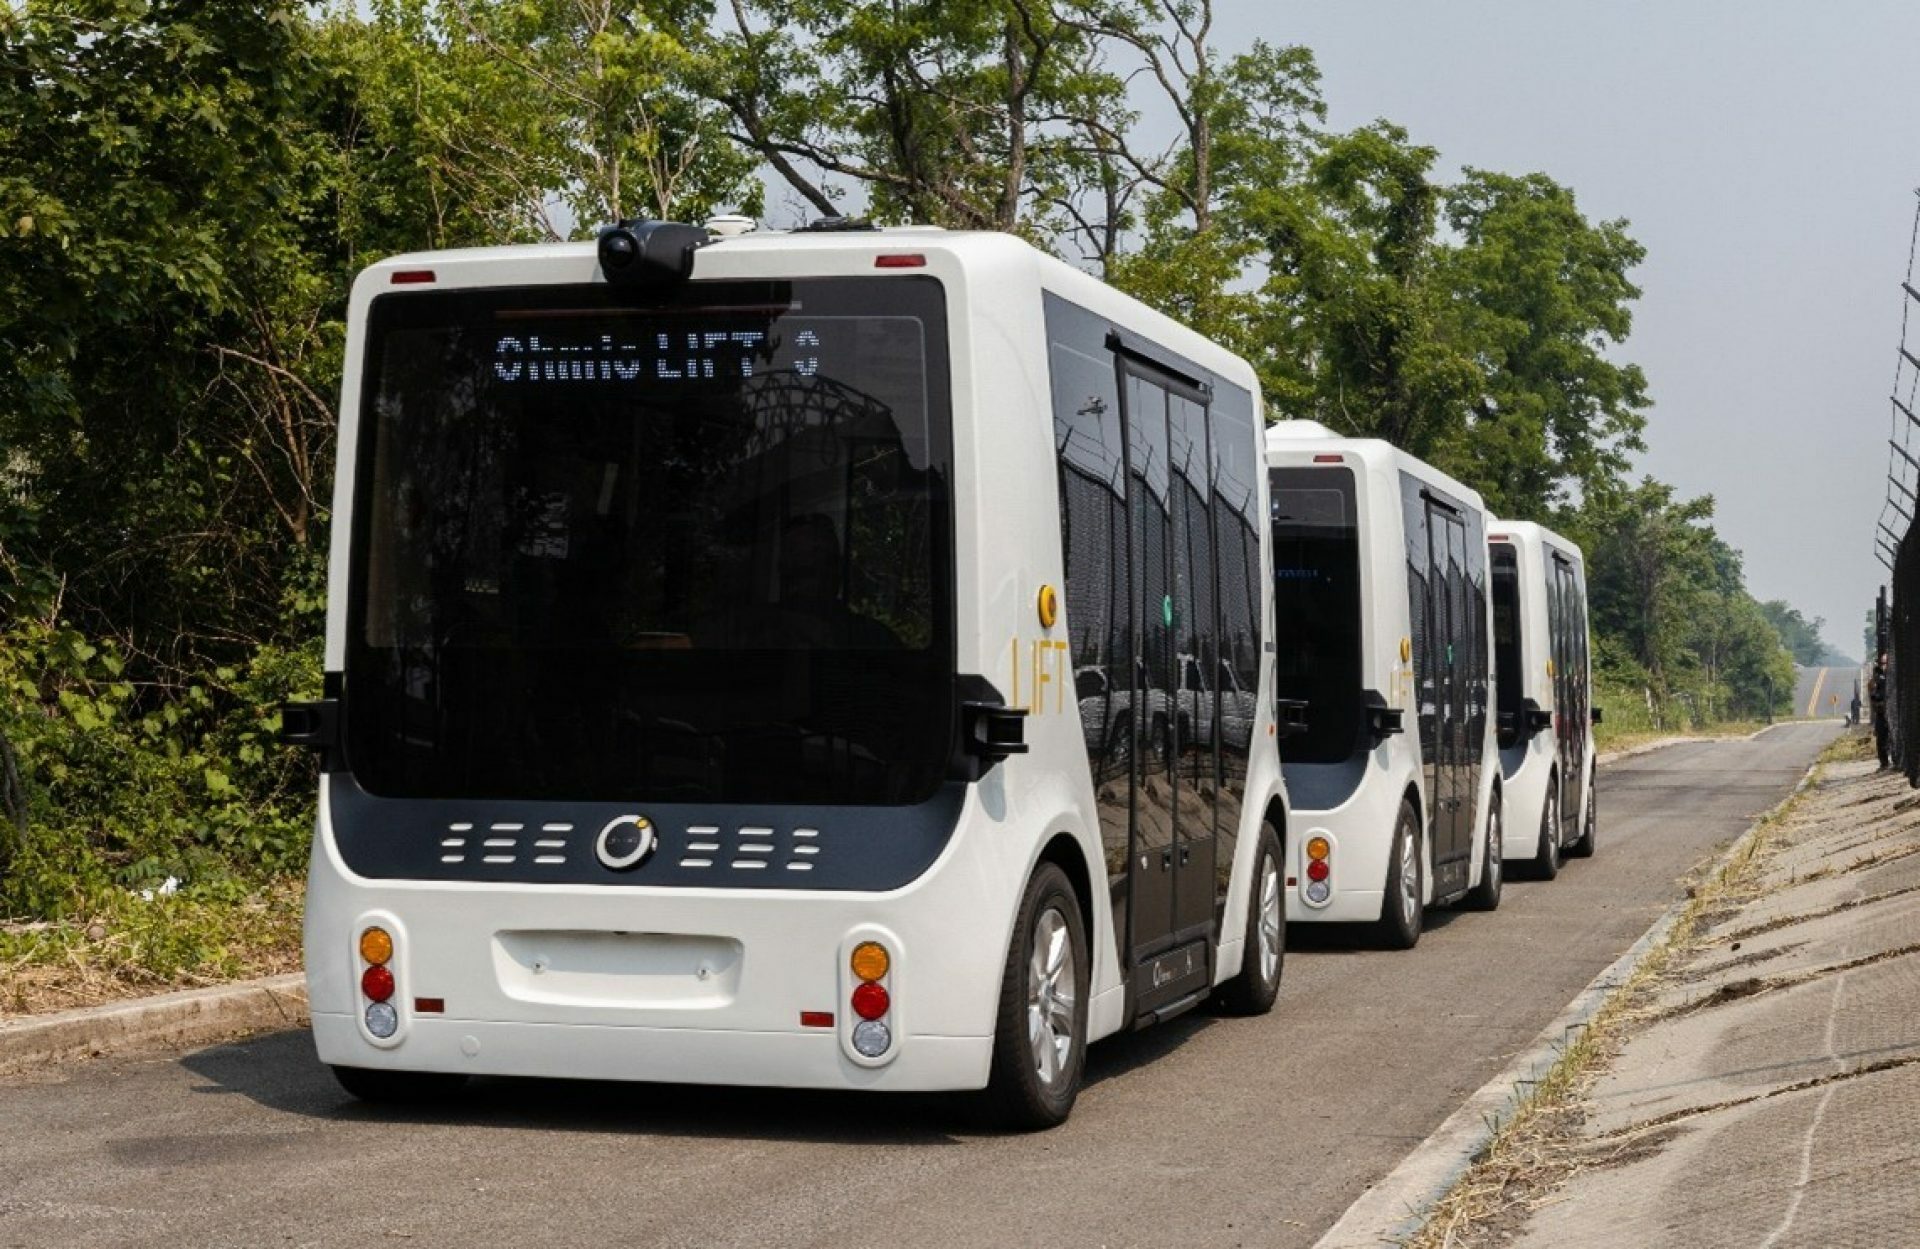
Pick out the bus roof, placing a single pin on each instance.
(746, 255)
(1531, 533)
(1294, 437)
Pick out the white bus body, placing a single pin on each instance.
(1382, 621)
(660, 622)
(1546, 712)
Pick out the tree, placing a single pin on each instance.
(1800, 635)
(959, 113)
(1539, 296)
(550, 117)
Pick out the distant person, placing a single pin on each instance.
(1877, 695)
(1853, 713)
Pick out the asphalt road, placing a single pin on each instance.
(1200, 1132)
(1825, 693)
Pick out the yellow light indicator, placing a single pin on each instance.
(376, 946)
(1049, 607)
(1319, 848)
(1406, 649)
(870, 960)
(1549, 668)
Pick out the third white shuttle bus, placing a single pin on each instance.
(837, 658)
(1546, 714)
(1383, 623)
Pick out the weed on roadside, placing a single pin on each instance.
(121, 944)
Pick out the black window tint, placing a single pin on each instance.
(1316, 608)
(1240, 586)
(690, 548)
(1508, 630)
(1152, 534)
(1196, 631)
(1091, 448)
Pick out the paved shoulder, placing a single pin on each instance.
(1770, 1100)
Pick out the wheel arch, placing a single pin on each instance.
(1063, 850)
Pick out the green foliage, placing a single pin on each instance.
(1800, 635)
(1669, 602)
(187, 190)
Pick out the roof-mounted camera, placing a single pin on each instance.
(649, 253)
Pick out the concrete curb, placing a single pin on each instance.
(175, 1020)
(1393, 1211)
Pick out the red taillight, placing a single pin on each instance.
(377, 983)
(908, 260)
(1329, 459)
(429, 1006)
(1317, 870)
(412, 277)
(816, 1019)
(870, 1001)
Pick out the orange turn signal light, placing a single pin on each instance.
(1319, 848)
(870, 960)
(376, 946)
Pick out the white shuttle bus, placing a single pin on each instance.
(833, 659)
(1384, 669)
(1545, 707)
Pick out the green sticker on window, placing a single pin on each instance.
(1166, 609)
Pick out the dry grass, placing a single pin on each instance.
(1607, 742)
(123, 946)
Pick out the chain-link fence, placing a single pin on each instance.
(1893, 670)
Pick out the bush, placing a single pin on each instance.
(125, 787)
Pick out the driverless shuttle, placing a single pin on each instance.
(1384, 672)
(1545, 712)
(836, 658)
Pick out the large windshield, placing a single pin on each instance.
(685, 548)
(1316, 608)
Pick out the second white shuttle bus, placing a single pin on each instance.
(837, 659)
(1546, 712)
(1383, 620)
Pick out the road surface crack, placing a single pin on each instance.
(1753, 986)
(1787, 921)
(1659, 1122)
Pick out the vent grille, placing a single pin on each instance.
(754, 848)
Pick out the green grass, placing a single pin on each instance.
(116, 944)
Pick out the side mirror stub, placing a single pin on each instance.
(1382, 721)
(990, 731)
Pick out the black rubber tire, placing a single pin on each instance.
(1395, 930)
(372, 1084)
(1589, 827)
(1251, 992)
(1014, 1097)
(1485, 896)
(1546, 855)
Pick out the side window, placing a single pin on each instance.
(1090, 446)
(1241, 581)
(1479, 651)
(1421, 593)
(1156, 682)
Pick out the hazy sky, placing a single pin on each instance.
(1764, 153)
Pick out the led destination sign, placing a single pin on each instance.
(663, 356)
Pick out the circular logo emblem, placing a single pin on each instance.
(625, 842)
